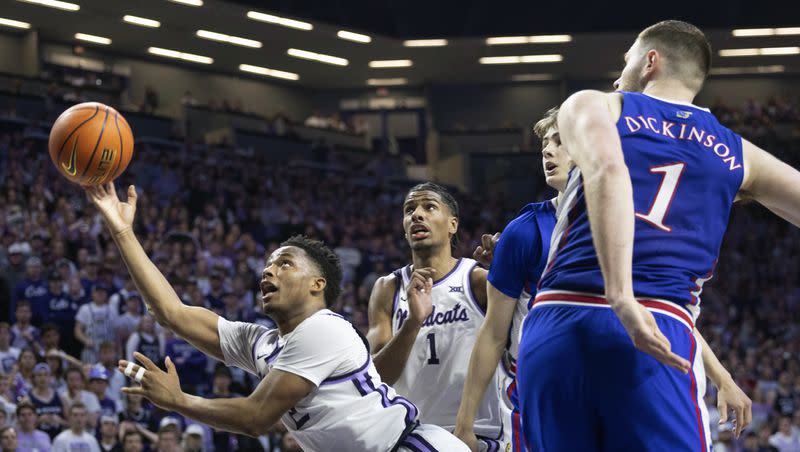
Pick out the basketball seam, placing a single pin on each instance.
(113, 174)
(61, 149)
(99, 137)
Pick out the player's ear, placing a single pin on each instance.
(453, 226)
(318, 284)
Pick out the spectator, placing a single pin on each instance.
(145, 341)
(193, 439)
(94, 324)
(189, 362)
(77, 394)
(150, 103)
(785, 396)
(8, 439)
(168, 439)
(28, 437)
(137, 411)
(14, 271)
(23, 379)
(8, 354)
(787, 439)
(3, 416)
(116, 380)
(317, 120)
(32, 288)
(289, 444)
(221, 389)
(129, 320)
(76, 438)
(24, 334)
(109, 428)
(55, 360)
(48, 405)
(98, 385)
(132, 441)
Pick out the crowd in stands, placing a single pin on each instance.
(209, 220)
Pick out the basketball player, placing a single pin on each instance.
(627, 265)
(423, 349)
(317, 373)
(517, 262)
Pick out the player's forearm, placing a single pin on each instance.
(237, 415)
(151, 283)
(714, 368)
(391, 359)
(483, 362)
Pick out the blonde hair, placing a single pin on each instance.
(549, 121)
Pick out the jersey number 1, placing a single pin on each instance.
(432, 344)
(666, 193)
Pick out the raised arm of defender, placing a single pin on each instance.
(197, 325)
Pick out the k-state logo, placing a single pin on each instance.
(458, 289)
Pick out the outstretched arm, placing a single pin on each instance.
(771, 182)
(253, 415)
(486, 354)
(586, 123)
(197, 325)
(729, 395)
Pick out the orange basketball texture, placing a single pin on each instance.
(91, 144)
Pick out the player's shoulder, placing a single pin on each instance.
(526, 221)
(326, 324)
(386, 286)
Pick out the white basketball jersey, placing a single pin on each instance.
(351, 408)
(433, 377)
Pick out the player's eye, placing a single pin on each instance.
(430, 206)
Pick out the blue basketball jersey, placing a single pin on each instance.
(686, 169)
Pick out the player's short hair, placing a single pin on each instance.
(685, 46)
(547, 122)
(326, 260)
(447, 198)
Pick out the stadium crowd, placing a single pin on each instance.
(209, 219)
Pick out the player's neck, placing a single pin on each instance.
(442, 261)
(670, 90)
(288, 323)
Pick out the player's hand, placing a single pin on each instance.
(117, 214)
(731, 398)
(161, 388)
(419, 294)
(645, 334)
(467, 436)
(485, 251)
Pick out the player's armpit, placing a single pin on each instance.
(771, 182)
(380, 312)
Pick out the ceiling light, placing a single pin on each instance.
(747, 32)
(356, 37)
(189, 2)
(763, 51)
(387, 81)
(141, 21)
(14, 23)
(425, 43)
(748, 70)
(269, 72)
(220, 37)
(66, 6)
(532, 77)
(269, 18)
(540, 39)
(551, 58)
(389, 63)
(180, 55)
(93, 38)
(321, 57)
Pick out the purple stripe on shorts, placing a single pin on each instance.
(419, 442)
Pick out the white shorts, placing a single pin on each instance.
(429, 438)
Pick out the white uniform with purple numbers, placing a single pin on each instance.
(434, 374)
(350, 408)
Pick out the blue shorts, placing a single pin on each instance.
(583, 386)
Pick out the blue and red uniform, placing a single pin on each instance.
(582, 384)
(519, 259)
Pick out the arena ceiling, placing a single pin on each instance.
(598, 37)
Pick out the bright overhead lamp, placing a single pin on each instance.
(532, 77)
(268, 72)
(14, 23)
(314, 56)
(390, 63)
(355, 37)
(425, 43)
(58, 4)
(92, 38)
(143, 21)
(774, 69)
(540, 39)
(189, 2)
(221, 37)
(747, 32)
(286, 22)
(387, 81)
(551, 58)
(763, 51)
(180, 55)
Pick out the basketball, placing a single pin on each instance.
(91, 144)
